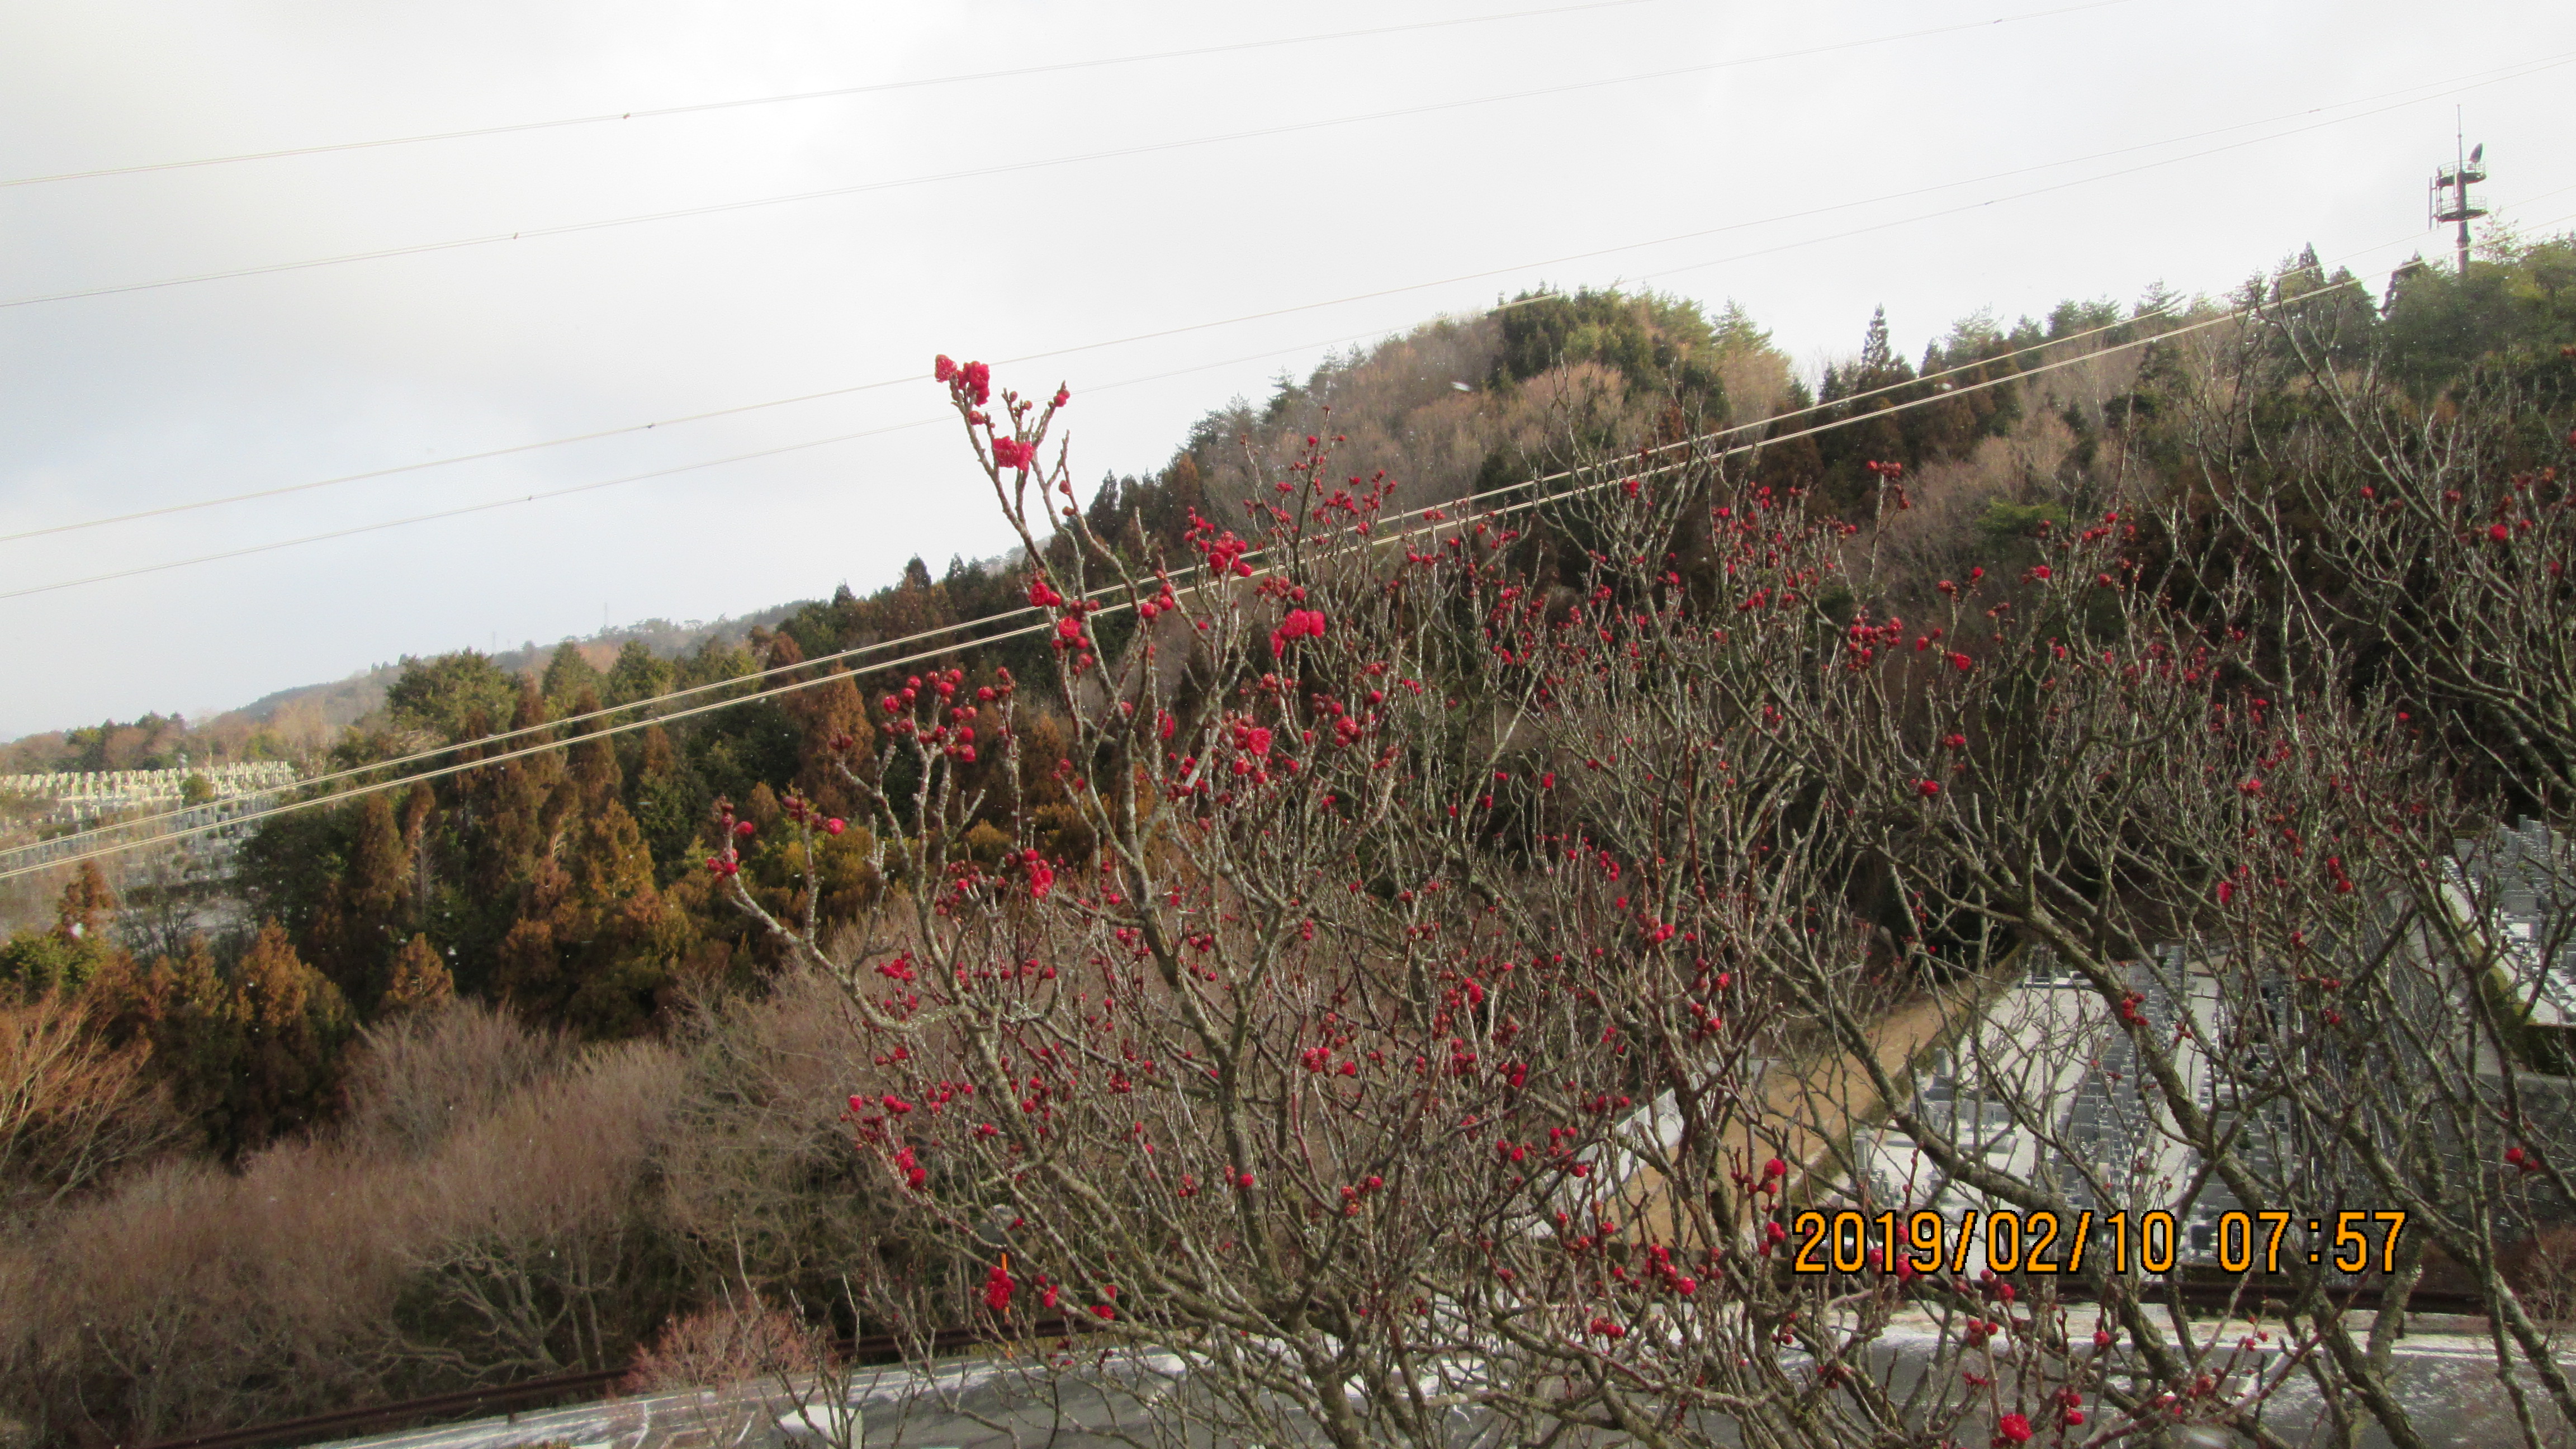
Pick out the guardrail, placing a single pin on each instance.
(527, 1393)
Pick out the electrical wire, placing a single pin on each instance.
(2010, 355)
(1522, 267)
(464, 510)
(837, 92)
(860, 188)
(1433, 528)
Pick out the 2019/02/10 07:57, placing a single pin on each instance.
(2029, 1242)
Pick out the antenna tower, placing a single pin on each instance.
(2447, 196)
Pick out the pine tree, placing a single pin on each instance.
(596, 941)
(637, 674)
(82, 912)
(1877, 355)
(593, 775)
(824, 713)
(292, 1023)
(442, 695)
(419, 816)
(360, 921)
(1105, 510)
(568, 676)
(666, 803)
(185, 1009)
(1736, 331)
(418, 981)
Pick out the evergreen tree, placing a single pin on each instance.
(666, 803)
(593, 777)
(823, 713)
(568, 676)
(86, 903)
(443, 695)
(418, 981)
(1877, 355)
(1735, 330)
(595, 942)
(1106, 510)
(290, 1023)
(357, 927)
(79, 947)
(637, 674)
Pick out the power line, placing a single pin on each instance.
(464, 510)
(2078, 181)
(2484, 77)
(789, 97)
(970, 173)
(1434, 527)
(282, 491)
(2010, 354)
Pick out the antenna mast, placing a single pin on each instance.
(2448, 193)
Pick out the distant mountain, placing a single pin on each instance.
(309, 717)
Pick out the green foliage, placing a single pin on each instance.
(35, 962)
(449, 694)
(1735, 331)
(2005, 523)
(1657, 341)
(2522, 301)
(567, 675)
(639, 673)
(287, 867)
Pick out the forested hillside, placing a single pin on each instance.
(540, 968)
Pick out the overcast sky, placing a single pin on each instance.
(2050, 151)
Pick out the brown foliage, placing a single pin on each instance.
(73, 1109)
(733, 1342)
(419, 980)
(416, 1079)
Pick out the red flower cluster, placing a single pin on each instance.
(1012, 453)
(2012, 1429)
(1300, 624)
(1041, 874)
(727, 861)
(972, 380)
(1223, 553)
(914, 1174)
